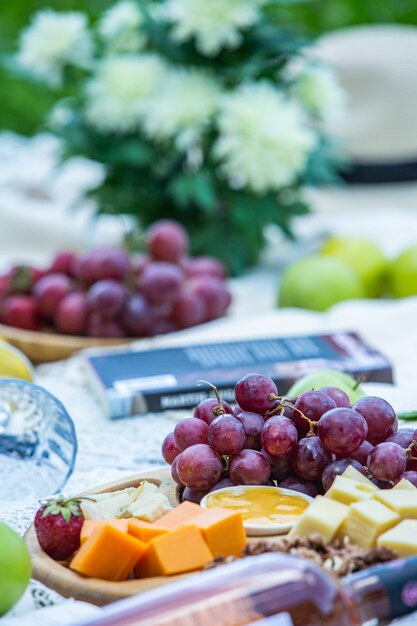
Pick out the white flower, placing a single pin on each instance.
(120, 27)
(263, 142)
(117, 96)
(184, 103)
(52, 41)
(215, 24)
(318, 89)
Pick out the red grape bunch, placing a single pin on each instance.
(107, 293)
(298, 443)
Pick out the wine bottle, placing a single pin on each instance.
(281, 589)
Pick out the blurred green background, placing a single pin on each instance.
(24, 104)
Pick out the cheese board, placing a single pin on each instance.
(44, 347)
(68, 583)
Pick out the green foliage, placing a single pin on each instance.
(153, 179)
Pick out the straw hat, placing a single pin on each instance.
(377, 66)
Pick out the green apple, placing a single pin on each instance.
(15, 568)
(327, 378)
(365, 258)
(403, 274)
(317, 282)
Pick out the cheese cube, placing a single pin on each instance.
(405, 484)
(181, 515)
(179, 551)
(402, 501)
(222, 530)
(148, 503)
(402, 538)
(347, 491)
(352, 473)
(323, 516)
(366, 521)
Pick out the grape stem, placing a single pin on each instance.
(410, 449)
(217, 410)
(288, 402)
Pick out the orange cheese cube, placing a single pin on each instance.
(179, 516)
(144, 530)
(90, 525)
(179, 551)
(222, 530)
(108, 553)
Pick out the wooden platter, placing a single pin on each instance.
(42, 347)
(59, 577)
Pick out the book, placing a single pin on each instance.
(164, 378)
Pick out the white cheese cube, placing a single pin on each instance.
(366, 521)
(323, 516)
(347, 491)
(402, 538)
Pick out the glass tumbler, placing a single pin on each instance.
(38, 443)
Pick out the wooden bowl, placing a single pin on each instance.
(42, 347)
(58, 576)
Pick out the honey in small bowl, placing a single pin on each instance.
(265, 510)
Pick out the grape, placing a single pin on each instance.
(162, 327)
(189, 432)
(62, 263)
(72, 314)
(298, 484)
(226, 434)
(336, 468)
(237, 410)
(411, 476)
(341, 430)
(189, 309)
(339, 397)
(249, 467)
(110, 263)
(253, 424)
(253, 393)
(161, 282)
(174, 471)
(226, 482)
(313, 404)
(361, 454)
(204, 266)
(84, 267)
(387, 461)
(279, 436)
(99, 327)
(22, 312)
(49, 291)
(199, 467)
(403, 437)
(137, 315)
(214, 293)
(280, 466)
(107, 297)
(192, 495)
(206, 410)
(169, 449)
(380, 416)
(310, 458)
(167, 241)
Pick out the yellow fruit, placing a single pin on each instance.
(14, 364)
(364, 257)
(317, 282)
(403, 274)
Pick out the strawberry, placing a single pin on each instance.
(58, 526)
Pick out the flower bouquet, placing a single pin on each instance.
(207, 112)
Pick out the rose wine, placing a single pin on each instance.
(272, 590)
